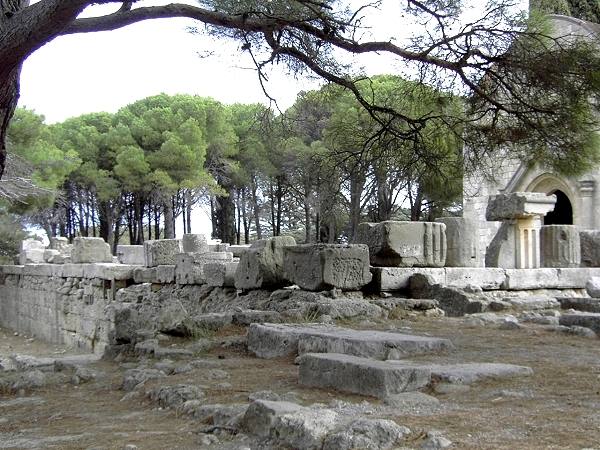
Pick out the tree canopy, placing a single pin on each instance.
(522, 79)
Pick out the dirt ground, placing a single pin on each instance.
(557, 408)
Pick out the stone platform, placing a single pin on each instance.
(277, 340)
(388, 279)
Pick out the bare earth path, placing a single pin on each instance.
(559, 407)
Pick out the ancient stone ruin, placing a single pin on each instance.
(300, 301)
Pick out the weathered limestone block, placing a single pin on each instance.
(360, 375)
(189, 267)
(289, 425)
(194, 243)
(502, 249)
(560, 246)
(386, 279)
(131, 254)
(145, 275)
(590, 248)
(32, 252)
(583, 304)
(261, 266)
(218, 247)
(90, 250)
(61, 244)
(161, 252)
(220, 274)
(317, 267)
(487, 278)
(587, 320)
(237, 250)
(470, 372)
(275, 340)
(519, 205)
(50, 255)
(462, 238)
(165, 274)
(404, 244)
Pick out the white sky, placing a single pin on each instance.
(84, 73)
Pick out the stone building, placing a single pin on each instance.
(578, 198)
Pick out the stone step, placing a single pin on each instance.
(584, 304)
(360, 375)
(587, 320)
(467, 373)
(531, 303)
(277, 340)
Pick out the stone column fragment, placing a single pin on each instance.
(462, 238)
(560, 246)
(404, 244)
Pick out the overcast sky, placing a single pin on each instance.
(84, 73)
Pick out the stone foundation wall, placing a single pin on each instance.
(68, 311)
(92, 306)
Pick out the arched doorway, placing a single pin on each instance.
(563, 211)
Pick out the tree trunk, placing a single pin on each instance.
(225, 218)
(256, 210)
(9, 96)
(307, 221)
(357, 182)
(245, 218)
(188, 210)
(168, 218)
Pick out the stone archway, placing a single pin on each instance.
(565, 210)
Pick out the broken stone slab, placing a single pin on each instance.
(218, 247)
(220, 274)
(108, 271)
(560, 246)
(453, 301)
(289, 425)
(90, 250)
(161, 252)
(488, 278)
(189, 267)
(519, 205)
(389, 279)
(589, 241)
(587, 320)
(363, 433)
(165, 274)
(261, 266)
(277, 340)
(468, 373)
(359, 375)
(404, 244)
(176, 395)
(583, 304)
(31, 252)
(61, 244)
(238, 250)
(462, 238)
(502, 249)
(525, 279)
(131, 254)
(50, 255)
(592, 287)
(194, 243)
(40, 270)
(318, 267)
(144, 275)
(531, 303)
